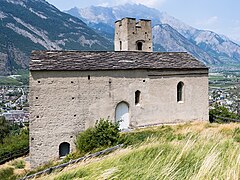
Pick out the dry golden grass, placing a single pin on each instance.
(196, 150)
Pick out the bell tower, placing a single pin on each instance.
(133, 36)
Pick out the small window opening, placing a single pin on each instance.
(145, 32)
(139, 46)
(36, 97)
(32, 138)
(39, 81)
(73, 98)
(64, 149)
(75, 115)
(137, 97)
(144, 80)
(89, 77)
(120, 45)
(180, 91)
(72, 82)
(37, 116)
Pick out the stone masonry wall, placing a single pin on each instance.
(64, 103)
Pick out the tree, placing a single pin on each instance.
(4, 128)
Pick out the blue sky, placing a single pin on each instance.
(221, 16)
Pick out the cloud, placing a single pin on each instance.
(104, 4)
(211, 21)
(149, 3)
(234, 32)
(230, 28)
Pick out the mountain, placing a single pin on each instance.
(28, 25)
(165, 38)
(218, 46)
(209, 47)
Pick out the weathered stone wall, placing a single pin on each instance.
(129, 32)
(63, 103)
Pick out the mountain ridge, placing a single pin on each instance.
(28, 25)
(212, 44)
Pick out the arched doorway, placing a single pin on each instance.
(122, 115)
(64, 149)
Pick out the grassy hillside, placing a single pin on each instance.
(20, 80)
(188, 151)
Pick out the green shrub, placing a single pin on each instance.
(13, 143)
(104, 134)
(223, 112)
(18, 164)
(7, 174)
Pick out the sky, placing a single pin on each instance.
(220, 16)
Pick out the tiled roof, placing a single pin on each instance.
(98, 60)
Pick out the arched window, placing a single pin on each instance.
(180, 91)
(139, 46)
(137, 97)
(120, 45)
(64, 149)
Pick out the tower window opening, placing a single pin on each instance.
(120, 45)
(139, 46)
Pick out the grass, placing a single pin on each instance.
(187, 151)
(7, 173)
(14, 169)
(197, 150)
(19, 164)
(23, 79)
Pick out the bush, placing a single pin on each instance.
(104, 134)
(14, 143)
(222, 112)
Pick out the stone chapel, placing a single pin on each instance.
(70, 90)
